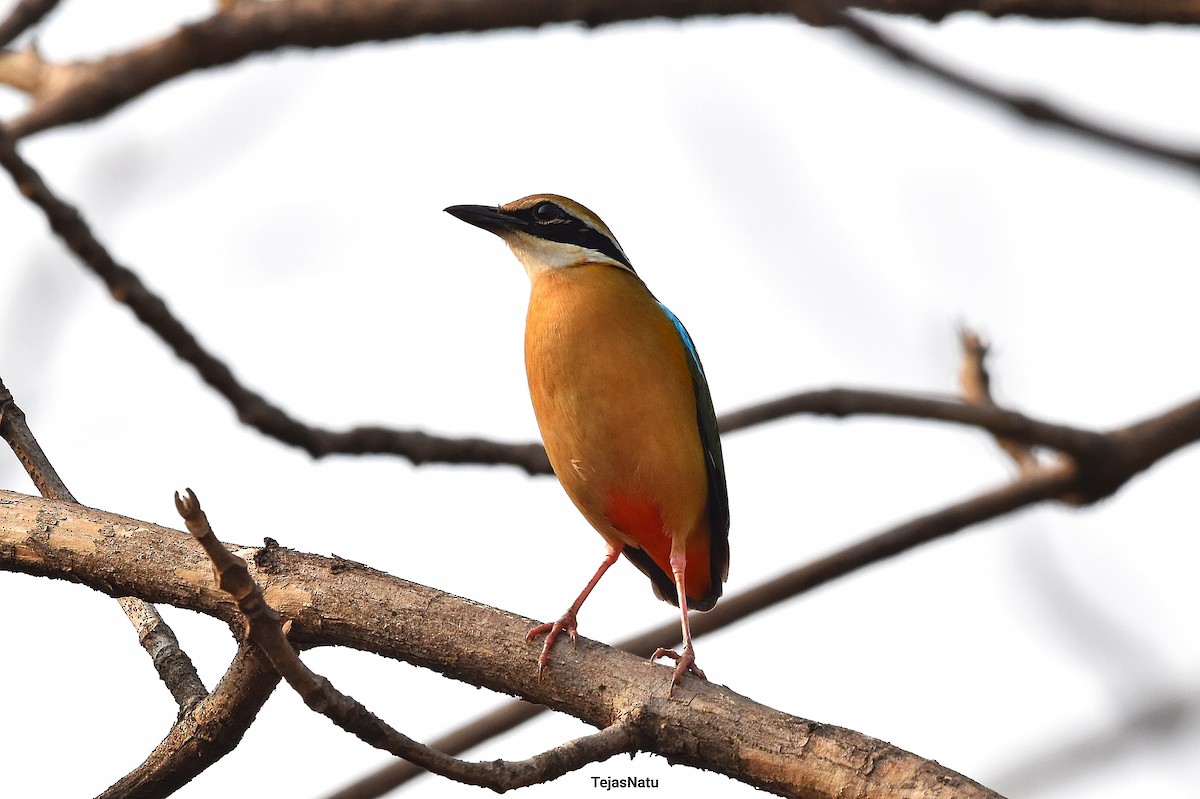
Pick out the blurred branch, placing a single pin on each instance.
(845, 402)
(252, 408)
(1031, 108)
(1158, 722)
(85, 90)
(421, 447)
(24, 16)
(334, 602)
(92, 89)
(1142, 12)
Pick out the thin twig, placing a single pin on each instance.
(1028, 107)
(265, 629)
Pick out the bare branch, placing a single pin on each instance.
(86, 90)
(1030, 108)
(336, 602)
(266, 631)
(1142, 12)
(252, 408)
(95, 88)
(844, 402)
(173, 665)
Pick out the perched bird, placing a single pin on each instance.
(623, 407)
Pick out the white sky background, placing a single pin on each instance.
(815, 214)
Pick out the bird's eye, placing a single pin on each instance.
(547, 212)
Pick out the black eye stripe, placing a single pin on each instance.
(559, 225)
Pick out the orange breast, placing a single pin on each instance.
(615, 403)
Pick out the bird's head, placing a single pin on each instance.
(546, 231)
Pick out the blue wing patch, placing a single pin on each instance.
(718, 493)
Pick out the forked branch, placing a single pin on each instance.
(208, 726)
(335, 602)
(264, 628)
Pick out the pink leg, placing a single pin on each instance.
(568, 621)
(687, 661)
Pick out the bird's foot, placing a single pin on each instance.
(552, 630)
(683, 663)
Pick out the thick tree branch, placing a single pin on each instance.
(1029, 490)
(335, 602)
(36, 540)
(1155, 437)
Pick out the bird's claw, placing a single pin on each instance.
(683, 663)
(552, 630)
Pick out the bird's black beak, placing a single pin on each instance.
(484, 216)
